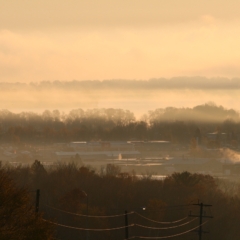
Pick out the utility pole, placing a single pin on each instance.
(87, 219)
(87, 201)
(201, 216)
(37, 200)
(126, 225)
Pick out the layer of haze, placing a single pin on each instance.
(136, 96)
(127, 39)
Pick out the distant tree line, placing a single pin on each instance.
(156, 83)
(68, 190)
(174, 124)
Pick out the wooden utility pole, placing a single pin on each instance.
(37, 200)
(201, 216)
(126, 225)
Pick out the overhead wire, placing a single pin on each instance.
(122, 227)
(90, 216)
(172, 222)
(117, 215)
(173, 206)
(116, 228)
(87, 229)
(170, 236)
(165, 228)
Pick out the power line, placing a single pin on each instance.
(87, 229)
(167, 207)
(165, 228)
(170, 236)
(109, 229)
(118, 215)
(137, 225)
(172, 222)
(90, 216)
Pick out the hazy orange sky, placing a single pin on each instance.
(121, 39)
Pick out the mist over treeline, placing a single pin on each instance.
(155, 83)
(138, 96)
(171, 124)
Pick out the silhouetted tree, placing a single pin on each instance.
(18, 218)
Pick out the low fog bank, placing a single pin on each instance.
(176, 125)
(201, 83)
(137, 96)
(209, 112)
(198, 139)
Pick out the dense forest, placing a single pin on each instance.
(177, 125)
(80, 203)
